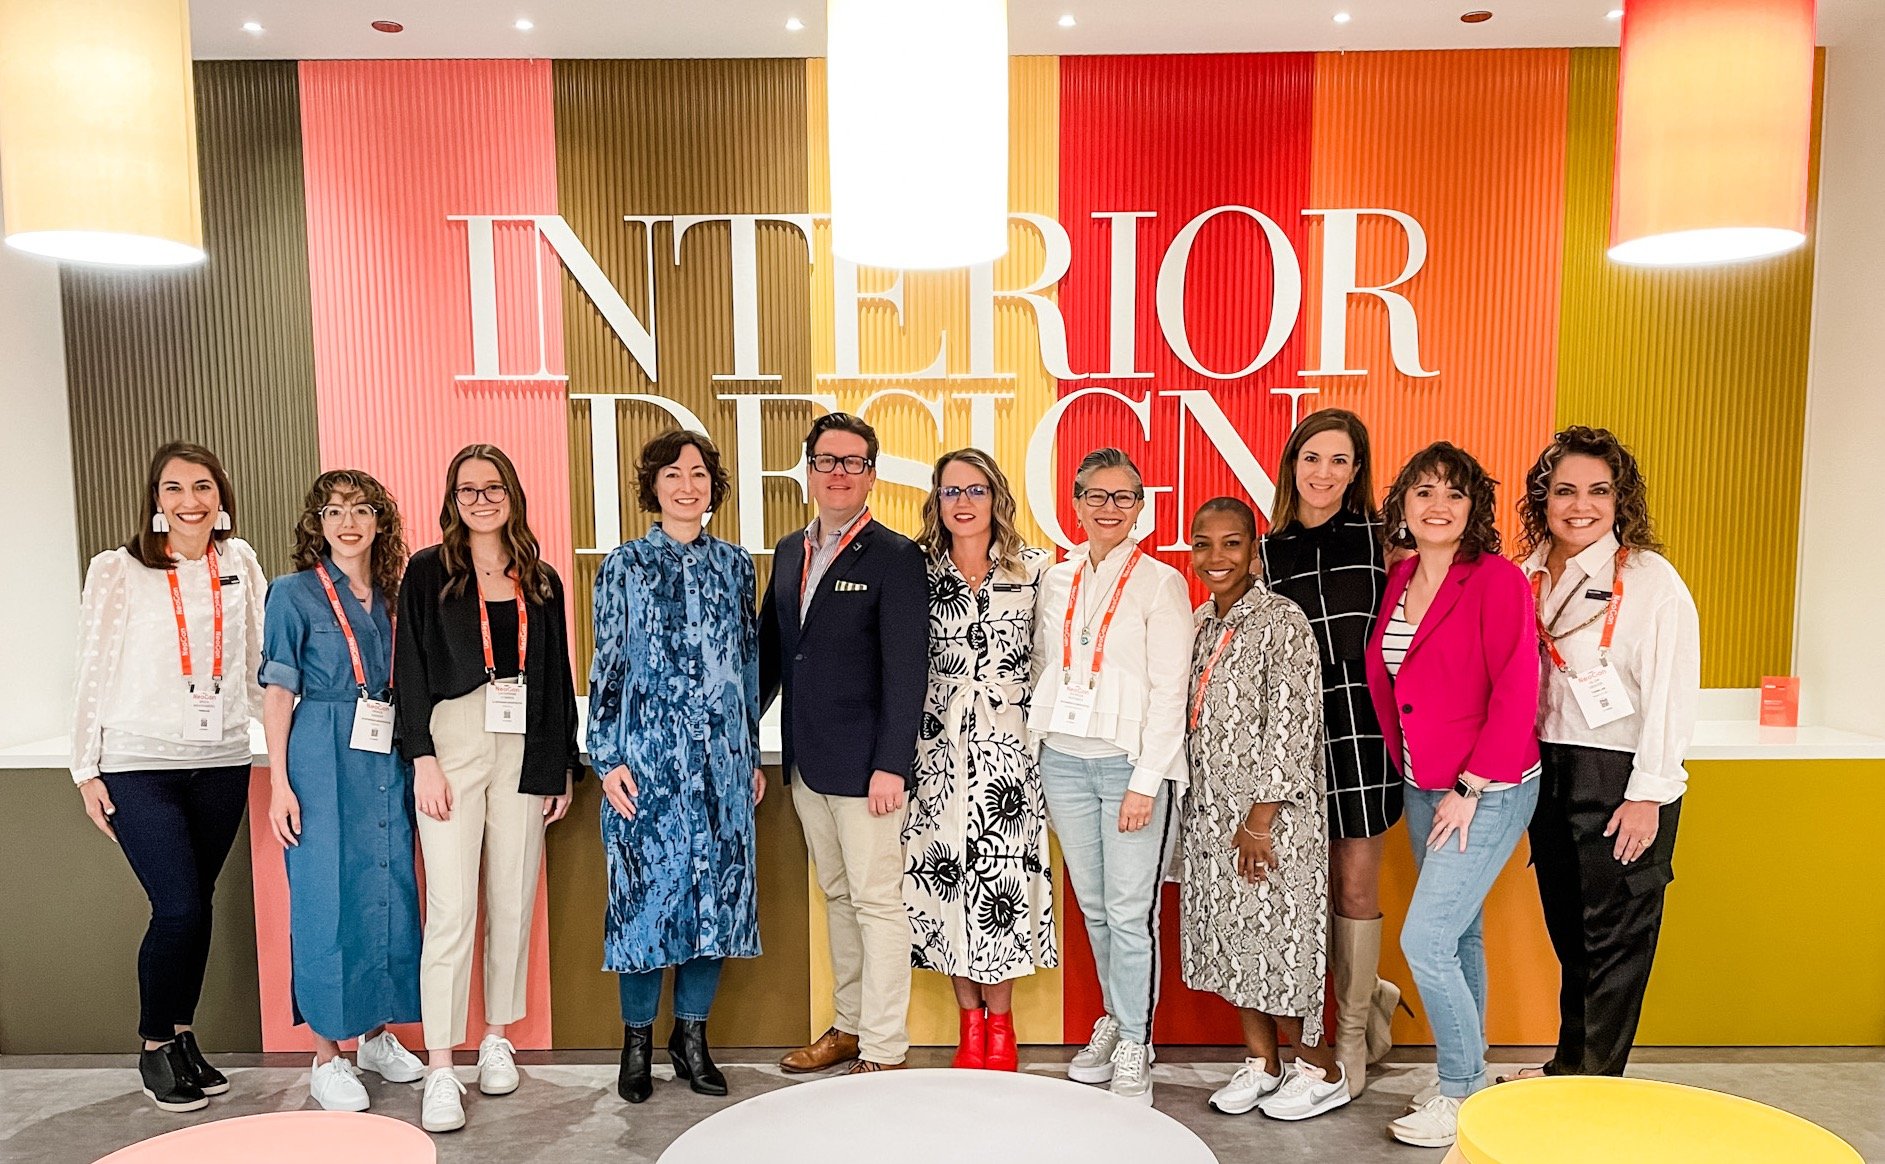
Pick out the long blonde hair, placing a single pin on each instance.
(1004, 539)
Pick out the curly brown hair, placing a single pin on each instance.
(527, 568)
(663, 450)
(1631, 493)
(387, 560)
(1456, 468)
(1003, 536)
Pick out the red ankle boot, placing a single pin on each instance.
(973, 1049)
(1001, 1043)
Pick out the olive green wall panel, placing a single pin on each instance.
(221, 353)
(1704, 373)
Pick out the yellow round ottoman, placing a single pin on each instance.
(1568, 1119)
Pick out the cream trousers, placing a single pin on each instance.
(493, 827)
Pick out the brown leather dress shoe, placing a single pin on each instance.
(828, 1050)
(865, 1067)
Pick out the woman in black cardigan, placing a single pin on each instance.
(487, 715)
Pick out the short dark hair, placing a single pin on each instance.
(842, 422)
(1236, 508)
(1446, 462)
(665, 449)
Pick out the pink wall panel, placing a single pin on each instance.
(392, 150)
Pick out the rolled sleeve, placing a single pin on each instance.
(276, 673)
(284, 639)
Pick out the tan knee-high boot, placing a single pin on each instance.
(1356, 949)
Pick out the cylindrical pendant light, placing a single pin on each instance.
(1714, 125)
(918, 95)
(98, 131)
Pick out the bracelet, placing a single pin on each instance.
(1259, 836)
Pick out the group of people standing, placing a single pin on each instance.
(944, 702)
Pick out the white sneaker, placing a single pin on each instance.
(1306, 1093)
(1252, 1082)
(1423, 1095)
(384, 1056)
(497, 1067)
(1132, 1072)
(442, 1110)
(334, 1086)
(1094, 1063)
(1435, 1124)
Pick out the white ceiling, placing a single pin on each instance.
(756, 28)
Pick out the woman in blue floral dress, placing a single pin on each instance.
(674, 729)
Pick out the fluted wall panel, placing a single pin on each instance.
(1704, 373)
(678, 138)
(219, 354)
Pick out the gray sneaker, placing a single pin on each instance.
(1094, 1063)
(1132, 1072)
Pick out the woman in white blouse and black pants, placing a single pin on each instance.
(170, 646)
(1622, 673)
(1112, 656)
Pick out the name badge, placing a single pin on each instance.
(1600, 695)
(203, 717)
(1073, 711)
(372, 726)
(504, 708)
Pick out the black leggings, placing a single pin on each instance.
(176, 829)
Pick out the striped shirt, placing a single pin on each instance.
(1396, 637)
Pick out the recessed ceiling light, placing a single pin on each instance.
(523, 24)
(1067, 21)
(1614, 14)
(794, 24)
(1342, 18)
(251, 26)
(1476, 16)
(388, 26)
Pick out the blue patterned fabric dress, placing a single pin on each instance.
(674, 695)
(353, 894)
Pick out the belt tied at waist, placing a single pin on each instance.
(961, 693)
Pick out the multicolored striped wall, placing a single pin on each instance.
(335, 325)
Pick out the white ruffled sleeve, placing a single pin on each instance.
(102, 614)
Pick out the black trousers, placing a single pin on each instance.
(176, 829)
(1603, 916)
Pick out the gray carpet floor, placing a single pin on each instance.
(73, 1110)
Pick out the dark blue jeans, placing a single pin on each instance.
(695, 983)
(176, 829)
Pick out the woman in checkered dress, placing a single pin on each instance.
(1324, 554)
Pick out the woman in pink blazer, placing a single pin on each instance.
(1453, 673)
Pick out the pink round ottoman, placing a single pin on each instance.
(286, 1137)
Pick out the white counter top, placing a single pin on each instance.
(1733, 733)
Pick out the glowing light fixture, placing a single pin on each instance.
(794, 24)
(98, 132)
(918, 96)
(1614, 14)
(1067, 21)
(524, 24)
(253, 27)
(1342, 18)
(1714, 125)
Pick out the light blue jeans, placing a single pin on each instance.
(696, 981)
(1115, 878)
(1443, 936)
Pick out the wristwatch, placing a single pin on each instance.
(1467, 790)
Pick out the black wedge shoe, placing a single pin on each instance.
(169, 1080)
(208, 1080)
(635, 1083)
(687, 1047)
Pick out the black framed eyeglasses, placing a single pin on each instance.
(470, 494)
(1121, 498)
(972, 492)
(851, 466)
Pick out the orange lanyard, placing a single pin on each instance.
(1550, 642)
(183, 628)
(805, 564)
(523, 635)
(1106, 623)
(346, 628)
(1204, 680)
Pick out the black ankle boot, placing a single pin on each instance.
(169, 1080)
(208, 1080)
(687, 1047)
(635, 1083)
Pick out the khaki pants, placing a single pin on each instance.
(494, 825)
(859, 860)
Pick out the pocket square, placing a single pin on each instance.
(847, 587)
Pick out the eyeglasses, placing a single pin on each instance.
(1121, 499)
(826, 463)
(469, 494)
(361, 513)
(972, 492)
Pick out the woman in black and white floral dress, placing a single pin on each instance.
(976, 883)
(1254, 913)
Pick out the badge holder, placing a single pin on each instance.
(372, 725)
(504, 707)
(203, 715)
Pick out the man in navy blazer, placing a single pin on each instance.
(844, 633)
